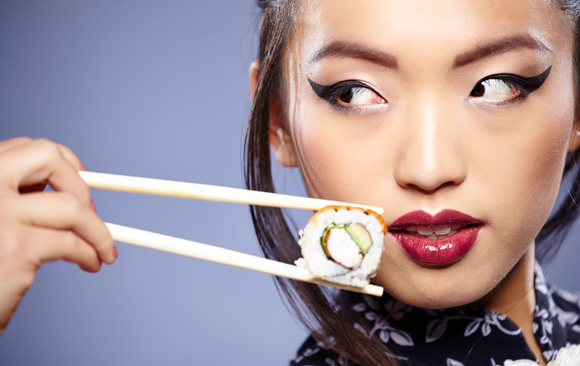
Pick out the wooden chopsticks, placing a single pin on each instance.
(228, 257)
(207, 192)
(207, 252)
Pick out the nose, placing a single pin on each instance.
(431, 154)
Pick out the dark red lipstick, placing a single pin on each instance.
(436, 240)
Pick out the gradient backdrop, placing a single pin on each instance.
(156, 89)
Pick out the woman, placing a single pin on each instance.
(457, 118)
(448, 113)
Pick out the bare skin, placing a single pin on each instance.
(415, 136)
(36, 226)
(428, 128)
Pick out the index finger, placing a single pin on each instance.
(41, 161)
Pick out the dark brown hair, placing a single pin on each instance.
(327, 313)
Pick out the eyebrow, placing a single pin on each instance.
(353, 50)
(498, 47)
(343, 49)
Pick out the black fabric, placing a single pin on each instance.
(460, 336)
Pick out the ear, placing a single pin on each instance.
(254, 72)
(574, 141)
(278, 137)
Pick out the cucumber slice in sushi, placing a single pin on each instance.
(361, 237)
(346, 244)
(343, 244)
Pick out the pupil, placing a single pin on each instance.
(478, 91)
(346, 96)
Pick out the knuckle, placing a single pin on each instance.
(47, 148)
(20, 140)
(85, 194)
(70, 241)
(12, 244)
(70, 156)
(72, 204)
(14, 142)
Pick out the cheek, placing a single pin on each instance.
(528, 171)
(321, 159)
(336, 155)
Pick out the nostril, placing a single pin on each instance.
(429, 187)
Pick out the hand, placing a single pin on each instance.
(37, 226)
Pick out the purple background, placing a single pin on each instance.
(156, 89)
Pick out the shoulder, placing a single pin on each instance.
(566, 307)
(557, 319)
(558, 307)
(565, 299)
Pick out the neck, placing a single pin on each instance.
(515, 297)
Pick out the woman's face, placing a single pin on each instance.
(462, 108)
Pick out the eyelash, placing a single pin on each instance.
(332, 93)
(525, 86)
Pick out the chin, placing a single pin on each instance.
(435, 291)
(430, 299)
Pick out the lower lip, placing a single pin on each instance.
(438, 251)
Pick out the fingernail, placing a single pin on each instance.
(83, 167)
(115, 252)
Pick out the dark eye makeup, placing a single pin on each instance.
(342, 93)
(521, 85)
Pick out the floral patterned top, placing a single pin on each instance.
(463, 336)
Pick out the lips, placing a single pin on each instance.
(436, 240)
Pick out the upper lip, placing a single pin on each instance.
(425, 219)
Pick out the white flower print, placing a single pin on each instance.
(566, 317)
(556, 321)
(567, 356)
(341, 361)
(380, 323)
(571, 297)
(490, 319)
(546, 327)
(520, 363)
(452, 362)
(436, 328)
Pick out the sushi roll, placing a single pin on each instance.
(343, 244)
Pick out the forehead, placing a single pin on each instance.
(427, 29)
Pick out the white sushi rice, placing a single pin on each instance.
(315, 260)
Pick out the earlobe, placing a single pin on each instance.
(254, 72)
(279, 138)
(574, 141)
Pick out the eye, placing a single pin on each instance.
(507, 87)
(496, 89)
(359, 96)
(348, 94)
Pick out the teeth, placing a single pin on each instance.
(425, 231)
(434, 232)
(443, 230)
